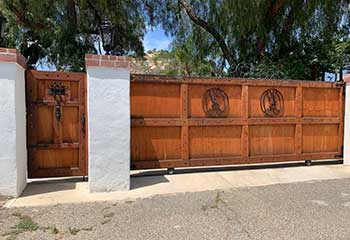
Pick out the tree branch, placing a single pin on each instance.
(228, 55)
(71, 13)
(273, 10)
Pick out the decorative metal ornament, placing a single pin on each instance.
(59, 91)
(215, 103)
(271, 102)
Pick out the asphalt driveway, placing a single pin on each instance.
(306, 210)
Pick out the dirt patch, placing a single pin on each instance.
(3, 200)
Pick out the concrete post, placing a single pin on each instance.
(109, 122)
(13, 149)
(347, 121)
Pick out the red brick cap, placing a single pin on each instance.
(12, 55)
(92, 60)
(347, 78)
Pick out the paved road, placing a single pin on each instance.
(309, 210)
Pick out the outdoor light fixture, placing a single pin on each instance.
(106, 33)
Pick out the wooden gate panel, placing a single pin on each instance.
(171, 125)
(156, 143)
(320, 138)
(271, 140)
(56, 124)
(288, 93)
(196, 93)
(155, 101)
(320, 102)
(213, 142)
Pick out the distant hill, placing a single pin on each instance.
(155, 62)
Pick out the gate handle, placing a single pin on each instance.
(82, 120)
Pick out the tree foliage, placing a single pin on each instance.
(296, 38)
(62, 31)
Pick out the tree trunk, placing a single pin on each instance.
(228, 55)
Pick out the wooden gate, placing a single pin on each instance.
(184, 122)
(56, 124)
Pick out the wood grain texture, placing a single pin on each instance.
(288, 96)
(155, 143)
(210, 142)
(196, 93)
(309, 128)
(56, 146)
(318, 102)
(150, 100)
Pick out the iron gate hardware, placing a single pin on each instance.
(82, 120)
(215, 103)
(271, 102)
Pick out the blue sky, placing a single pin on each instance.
(156, 38)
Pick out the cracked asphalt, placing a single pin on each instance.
(307, 210)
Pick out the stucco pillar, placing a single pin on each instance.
(347, 121)
(109, 122)
(13, 149)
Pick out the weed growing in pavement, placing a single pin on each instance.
(25, 224)
(215, 204)
(75, 231)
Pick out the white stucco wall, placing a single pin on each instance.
(21, 136)
(347, 126)
(13, 153)
(109, 128)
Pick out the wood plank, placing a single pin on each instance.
(215, 121)
(184, 101)
(216, 161)
(149, 122)
(341, 114)
(141, 78)
(56, 146)
(310, 127)
(271, 140)
(320, 138)
(150, 100)
(185, 148)
(224, 141)
(155, 143)
(245, 128)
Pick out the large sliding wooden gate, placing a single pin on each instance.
(56, 124)
(183, 122)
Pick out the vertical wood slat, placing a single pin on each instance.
(54, 157)
(245, 130)
(341, 121)
(83, 156)
(298, 114)
(184, 129)
(266, 134)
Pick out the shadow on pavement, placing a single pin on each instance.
(146, 181)
(41, 186)
(232, 168)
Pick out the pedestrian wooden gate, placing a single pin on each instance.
(56, 124)
(183, 122)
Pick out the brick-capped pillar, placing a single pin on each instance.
(13, 149)
(109, 122)
(347, 121)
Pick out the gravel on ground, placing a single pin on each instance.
(308, 210)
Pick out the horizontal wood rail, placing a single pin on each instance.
(171, 128)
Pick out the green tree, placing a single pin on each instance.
(60, 32)
(294, 37)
